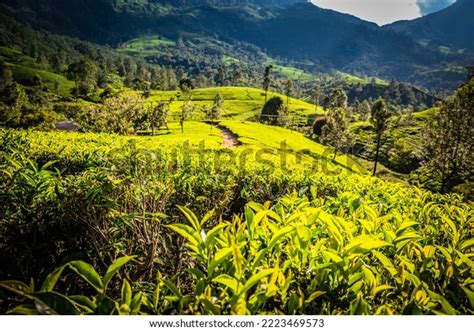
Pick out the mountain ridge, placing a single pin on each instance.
(448, 27)
(290, 29)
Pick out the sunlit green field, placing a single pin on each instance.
(240, 103)
(145, 46)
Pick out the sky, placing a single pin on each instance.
(385, 11)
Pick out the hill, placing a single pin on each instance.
(447, 27)
(240, 103)
(321, 39)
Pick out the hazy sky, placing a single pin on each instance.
(385, 11)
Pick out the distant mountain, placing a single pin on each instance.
(190, 3)
(294, 30)
(452, 27)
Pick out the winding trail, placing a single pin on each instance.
(231, 140)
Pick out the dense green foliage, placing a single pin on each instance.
(343, 244)
(99, 197)
(448, 142)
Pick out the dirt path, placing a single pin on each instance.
(230, 138)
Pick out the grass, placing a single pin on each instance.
(240, 103)
(145, 46)
(70, 143)
(259, 143)
(351, 79)
(277, 139)
(291, 72)
(230, 60)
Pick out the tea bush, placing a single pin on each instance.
(292, 241)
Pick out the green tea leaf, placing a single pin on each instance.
(252, 281)
(52, 279)
(187, 232)
(51, 303)
(88, 273)
(386, 263)
(115, 267)
(233, 284)
(220, 256)
(126, 293)
(191, 217)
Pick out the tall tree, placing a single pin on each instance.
(267, 79)
(214, 112)
(13, 100)
(364, 110)
(84, 73)
(186, 110)
(222, 76)
(158, 116)
(316, 95)
(6, 78)
(288, 90)
(336, 132)
(379, 117)
(338, 99)
(448, 141)
(284, 117)
(171, 80)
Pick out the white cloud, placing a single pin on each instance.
(378, 11)
(431, 6)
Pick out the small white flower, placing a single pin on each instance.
(203, 235)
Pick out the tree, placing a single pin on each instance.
(267, 80)
(316, 95)
(35, 90)
(186, 85)
(288, 90)
(284, 117)
(214, 113)
(336, 132)
(84, 73)
(379, 117)
(158, 116)
(236, 76)
(271, 110)
(222, 76)
(364, 110)
(6, 78)
(186, 110)
(338, 99)
(13, 99)
(171, 80)
(118, 114)
(447, 147)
